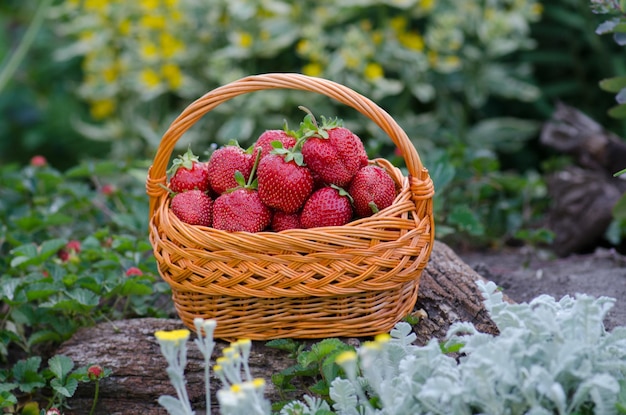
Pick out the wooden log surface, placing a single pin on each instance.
(447, 293)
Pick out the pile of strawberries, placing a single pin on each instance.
(316, 176)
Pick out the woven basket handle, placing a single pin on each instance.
(157, 173)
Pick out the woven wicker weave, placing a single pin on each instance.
(353, 280)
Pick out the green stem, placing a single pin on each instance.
(95, 397)
(18, 56)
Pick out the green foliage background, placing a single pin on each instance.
(471, 84)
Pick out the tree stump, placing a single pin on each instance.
(447, 293)
(583, 195)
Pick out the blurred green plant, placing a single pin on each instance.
(35, 101)
(73, 252)
(26, 384)
(615, 25)
(143, 60)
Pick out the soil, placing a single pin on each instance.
(525, 274)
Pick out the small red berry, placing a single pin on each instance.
(73, 245)
(95, 372)
(38, 161)
(63, 255)
(53, 411)
(133, 271)
(108, 189)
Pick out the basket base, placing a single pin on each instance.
(354, 315)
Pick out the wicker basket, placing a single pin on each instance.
(354, 280)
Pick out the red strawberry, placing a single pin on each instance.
(265, 140)
(282, 221)
(372, 189)
(193, 207)
(328, 206)
(331, 151)
(223, 164)
(241, 208)
(284, 184)
(188, 173)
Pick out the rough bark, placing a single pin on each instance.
(448, 293)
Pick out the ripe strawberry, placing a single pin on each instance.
(223, 164)
(241, 210)
(331, 151)
(328, 206)
(282, 221)
(193, 207)
(188, 173)
(284, 184)
(265, 140)
(372, 189)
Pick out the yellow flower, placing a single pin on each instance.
(176, 16)
(427, 4)
(452, 62)
(171, 72)
(102, 108)
(153, 22)
(303, 46)
(110, 74)
(371, 345)
(169, 45)
(124, 27)
(149, 5)
(412, 40)
(171, 3)
(312, 69)
(245, 40)
(150, 78)
(398, 23)
(382, 338)
(86, 36)
(241, 343)
(377, 37)
(373, 71)
(175, 336)
(258, 383)
(95, 5)
(536, 9)
(236, 388)
(344, 357)
(351, 59)
(148, 50)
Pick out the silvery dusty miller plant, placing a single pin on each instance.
(551, 357)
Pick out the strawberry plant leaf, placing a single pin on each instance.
(613, 84)
(60, 366)
(66, 389)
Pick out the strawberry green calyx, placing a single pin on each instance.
(293, 154)
(252, 182)
(309, 127)
(184, 160)
(342, 192)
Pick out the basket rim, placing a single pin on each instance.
(157, 178)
